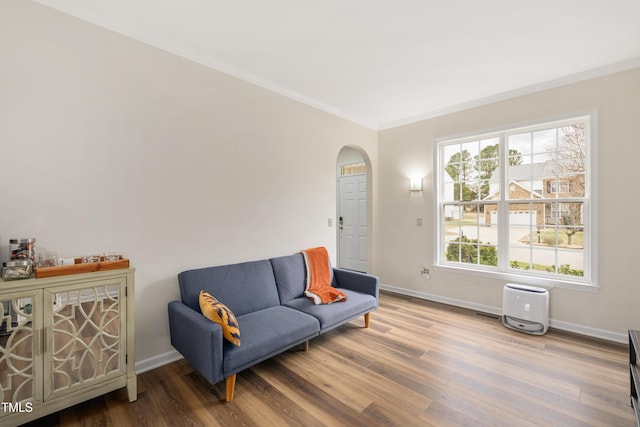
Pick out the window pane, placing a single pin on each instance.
(471, 240)
(573, 137)
(543, 259)
(571, 262)
(568, 216)
(520, 170)
(452, 251)
(449, 150)
(468, 190)
(576, 185)
(491, 220)
(451, 213)
(520, 143)
(544, 140)
(515, 158)
(490, 149)
(484, 189)
(471, 148)
(452, 222)
(527, 254)
(488, 255)
(459, 167)
(448, 194)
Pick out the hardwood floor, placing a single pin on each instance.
(419, 364)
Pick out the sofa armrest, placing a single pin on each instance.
(198, 339)
(355, 281)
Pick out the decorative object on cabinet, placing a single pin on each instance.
(14, 270)
(64, 340)
(22, 249)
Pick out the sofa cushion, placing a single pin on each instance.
(217, 312)
(266, 333)
(332, 315)
(244, 287)
(289, 273)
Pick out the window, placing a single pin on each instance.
(518, 201)
(353, 169)
(561, 186)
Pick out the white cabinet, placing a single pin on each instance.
(64, 340)
(634, 371)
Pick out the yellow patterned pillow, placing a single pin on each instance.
(217, 312)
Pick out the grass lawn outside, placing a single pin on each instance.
(548, 238)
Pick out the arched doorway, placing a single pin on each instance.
(354, 209)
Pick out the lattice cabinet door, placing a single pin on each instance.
(85, 334)
(21, 349)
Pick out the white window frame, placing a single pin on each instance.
(589, 281)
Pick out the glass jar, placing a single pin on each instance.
(12, 270)
(22, 249)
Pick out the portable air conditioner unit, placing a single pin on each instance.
(525, 308)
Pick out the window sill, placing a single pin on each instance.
(544, 282)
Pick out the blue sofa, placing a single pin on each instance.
(267, 299)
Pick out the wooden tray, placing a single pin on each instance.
(79, 267)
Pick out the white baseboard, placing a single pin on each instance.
(157, 361)
(558, 324)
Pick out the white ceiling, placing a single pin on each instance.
(381, 62)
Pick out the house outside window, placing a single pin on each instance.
(519, 202)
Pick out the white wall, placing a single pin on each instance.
(404, 248)
(109, 144)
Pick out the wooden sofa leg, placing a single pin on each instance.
(367, 319)
(231, 387)
(305, 346)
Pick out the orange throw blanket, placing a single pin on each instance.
(319, 288)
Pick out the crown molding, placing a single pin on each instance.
(539, 87)
(150, 39)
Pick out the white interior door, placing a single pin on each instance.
(352, 222)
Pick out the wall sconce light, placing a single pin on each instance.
(416, 184)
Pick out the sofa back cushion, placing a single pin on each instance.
(244, 287)
(291, 275)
